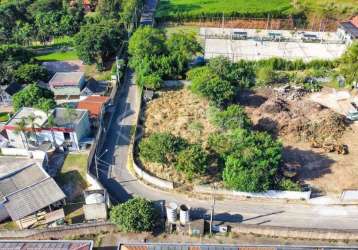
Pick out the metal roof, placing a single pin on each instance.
(61, 79)
(33, 198)
(46, 245)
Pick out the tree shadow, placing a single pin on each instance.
(250, 99)
(269, 125)
(313, 165)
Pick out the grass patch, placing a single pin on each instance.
(341, 9)
(181, 28)
(74, 170)
(57, 42)
(58, 56)
(8, 225)
(4, 117)
(182, 10)
(90, 70)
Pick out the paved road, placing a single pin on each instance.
(122, 185)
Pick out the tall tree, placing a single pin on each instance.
(20, 129)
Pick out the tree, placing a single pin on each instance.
(15, 53)
(265, 75)
(192, 161)
(152, 81)
(135, 215)
(51, 124)
(20, 129)
(130, 11)
(253, 161)
(184, 44)
(32, 122)
(108, 8)
(160, 147)
(30, 73)
(96, 43)
(348, 66)
(33, 96)
(233, 117)
(146, 42)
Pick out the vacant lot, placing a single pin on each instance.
(181, 10)
(58, 56)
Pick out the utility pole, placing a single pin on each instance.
(212, 209)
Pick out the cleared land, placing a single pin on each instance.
(296, 122)
(58, 56)
(194, 9)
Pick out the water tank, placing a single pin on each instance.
(184, 214)
(171, 210)
(95, 198)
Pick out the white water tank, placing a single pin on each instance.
(171, 210)
(95, 198)
(184, 214)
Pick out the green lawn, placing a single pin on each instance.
(181, 10)
(58, 56)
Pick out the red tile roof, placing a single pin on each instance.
(93, 104)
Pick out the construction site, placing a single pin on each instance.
(256, 44)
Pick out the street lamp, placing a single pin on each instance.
(96, 160)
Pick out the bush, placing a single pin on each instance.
(265, 75)
(135, 215)
(289, 185)
(253, 161)
(160, 147)
(30, 73)
(152, 81)
(231, 118)
(192, 161)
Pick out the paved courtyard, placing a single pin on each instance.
(254, 49)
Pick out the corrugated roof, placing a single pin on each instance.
(66, 79)
(350, 28)
(46, 245)
(33, 198)
(93, 104)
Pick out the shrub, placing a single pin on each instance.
(152, 81)
(160, 147)
(265, 75)
(192, 161)
(233, 117)
(135, 215)
(289, 185)
(30, 73)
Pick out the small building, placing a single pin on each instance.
(96, 205)
(348, 30)
(25, 190)
(68, 128)
(67, 85)
(94, 105)
(7, 92)
(46, 244)
(94, 87)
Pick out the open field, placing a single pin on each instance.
(193, 9)
(58, 56)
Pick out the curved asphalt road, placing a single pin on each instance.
(122, 185)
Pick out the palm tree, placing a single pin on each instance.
(51, 124)
(20, 129)
(32, 121)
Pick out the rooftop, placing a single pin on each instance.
(351, 28)
(13, 88)
(66, 118)
(93, 104)
(25, 113)
(46, 244)
(94, 87)
(62, 79)
(26, 188)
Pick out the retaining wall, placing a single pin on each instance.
(271, 194)
(298, 233)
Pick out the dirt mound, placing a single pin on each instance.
(274, 106)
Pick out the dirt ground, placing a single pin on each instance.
(180, 113)
(303, 126)
(299, 123)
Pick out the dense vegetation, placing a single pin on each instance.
(179, 10)
(155, 57)
(135, 215)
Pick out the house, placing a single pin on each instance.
(69, 126)
(7, 92)
(93, 88)
(26, 189)
(94, 105)
(67, 85)
(46, 244)
(348, 30)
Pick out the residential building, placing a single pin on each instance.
(69, 127)
(94, 105)
(67, 85)
(46, 244)
(26, 189)
(94, 87)
(348, 30)
(7, 92)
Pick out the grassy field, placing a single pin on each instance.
(193, 9)
(339, 9)
(58, 56)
